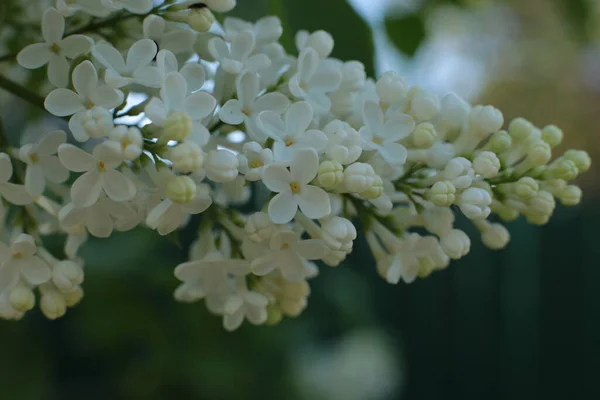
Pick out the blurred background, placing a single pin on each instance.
(523, 323)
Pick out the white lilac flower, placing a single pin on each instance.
(19, 261)
(293, 189)
(98, 219)
(122, 72)
(383, 136)
(181, 197)
(166, 62)
(266, 30)
(85, 102)
(92, 7)
(42, 162)
(320, 41)
(253, 160)
(13, 193)
(287, 252)
(244, 303)
(343, 142)
(238, 57)
(126, 142)
(179, 114)
(314, 80)
(175, 40)
(55, 50)
(291, 133)
(100, 174)
(250, 103)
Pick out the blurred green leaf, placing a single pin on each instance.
(406, 32)
(353, 36)
(577, 12)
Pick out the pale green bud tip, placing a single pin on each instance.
(571, 195)
(424, 135)
(274, 315)
(520, 129)
(22, 298)
(500, 142)
(331, 174)
(552, 135)
(178, 126)
(580, 158)
(526, 188)
(181, 190)
(442, 194)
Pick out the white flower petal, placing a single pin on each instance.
(53, 26)
(117, 186)
(304, 166)
(308, 61)
(174, 91)
(75, 159)
(199, 105)
(242, 45)
(58, 70)
(141, 54)
(314, 202)
(16, 194)
(292, 268)
(154, 26)
(312, 249)
(34, 56)
(63, 102)
(282, 208)
(277, 178)
(85, 79)
(248, 86)
(198, 205)
(35, 182)
(275, 102)
(99, 223)
(194, 76)
(397, 128)
(373, 116)
(155, 110)
(272, 124)
(231, 112)
(49, 143)
(9, 276)
(167, 62)
(218, 48)
(86, 189)
(149, 76)
(77, 129)
(108, 56)
(189, 271)
(6, 168)
(393, 153)
(138, 6)
(326, 79)
(156, 215)
(76, 45)
(298, 117)
(257, 63)
(35, 270)
(106, 97)
(314, 139)
(233, 321)
(54, 170)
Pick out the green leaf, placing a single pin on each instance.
(353, 36)
(406, 32)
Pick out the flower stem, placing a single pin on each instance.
(22, 92)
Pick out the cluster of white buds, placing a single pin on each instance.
(320, 144)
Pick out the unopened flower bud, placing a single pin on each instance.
(361, 178)
(177, 127)
(424, 105)
(322, 42)
(220, 6)
(442, 194)
(73, 297)
(526, 188)
(274, 315)
(552, 135)
(259, 227)
(486, 164)
(187, 157)
(331, 174)
(66, 275)
(486, 119)
(539, 154)
(500, 142)
(542, 203)
(22, 298)
(181, 190)
(562, 169)
(520, 129)
(580, 158)
(53, 304)
(495, 236)
(196, 14)
(454, 112)
(571, 195)
(391, 88)
(97, 122)
(424, 135)
(456, 244)
(221, 166)
(338, 233)
(475, 203)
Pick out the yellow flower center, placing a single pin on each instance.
(377, 140)
(285, 246)
(295, 187)
(33, 158)
(289, 142)
(55, 49)
(17, 255)
(125, 142)
(101, 166)
(246, 112)
(256, 164)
